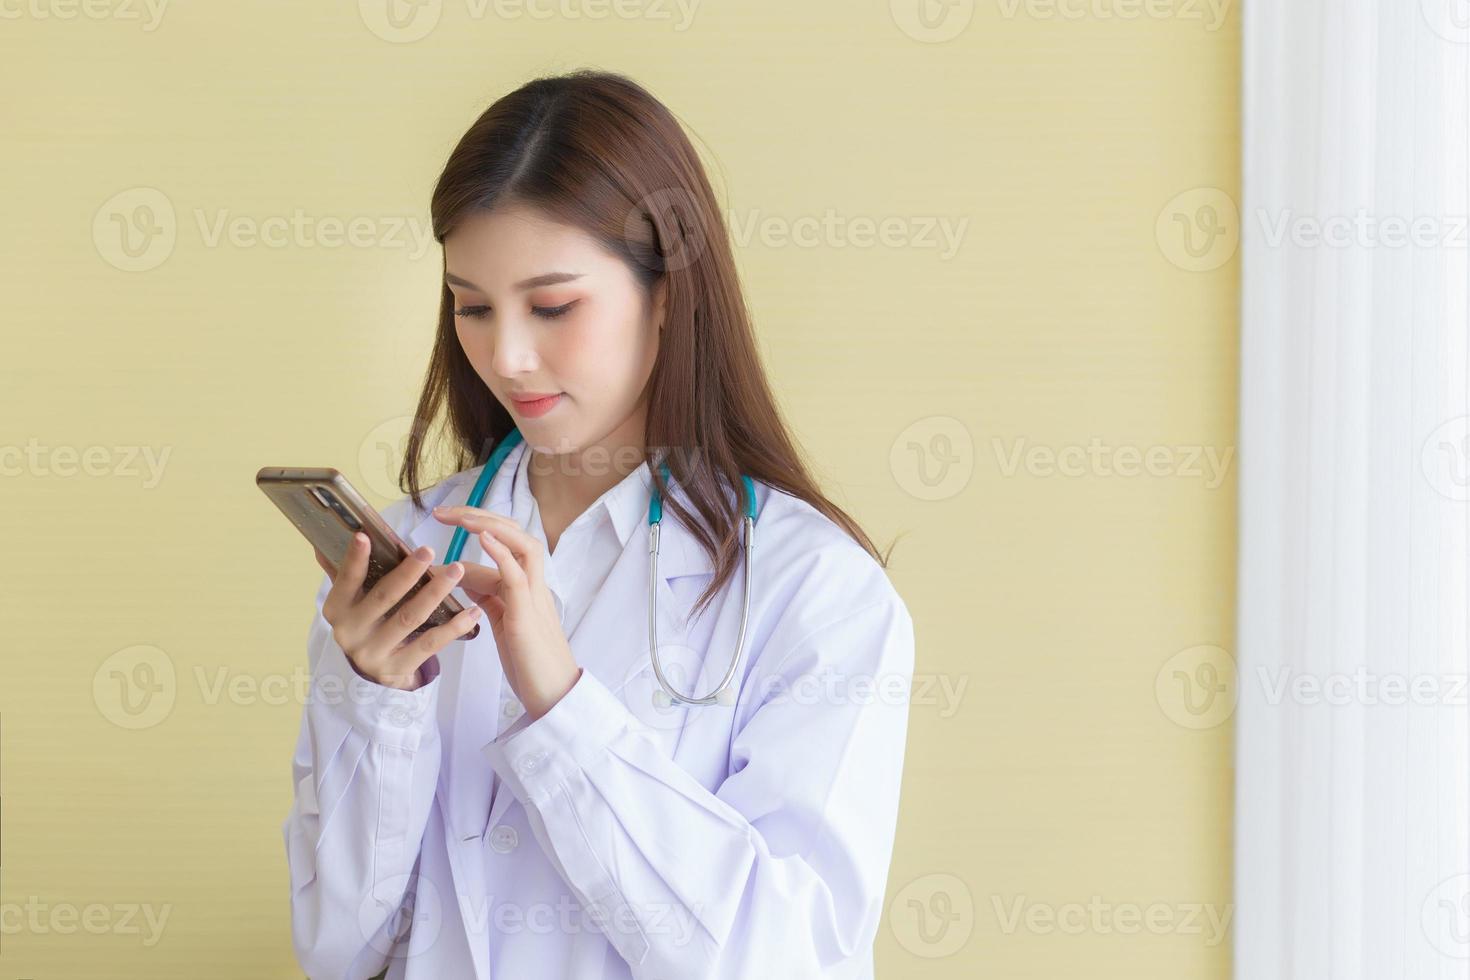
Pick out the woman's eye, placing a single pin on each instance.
(552, 312)
(545, 312)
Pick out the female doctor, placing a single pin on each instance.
(545, 800)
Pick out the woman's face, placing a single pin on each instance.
(541, 309)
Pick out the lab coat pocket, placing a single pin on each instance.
(644, 698)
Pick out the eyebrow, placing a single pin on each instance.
(545, 279)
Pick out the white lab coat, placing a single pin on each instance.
(625, 839)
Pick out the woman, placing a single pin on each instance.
(532, 803)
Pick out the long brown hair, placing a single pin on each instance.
(595, 151)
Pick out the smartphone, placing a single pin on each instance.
(328, 512)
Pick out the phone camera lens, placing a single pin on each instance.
(328, 498)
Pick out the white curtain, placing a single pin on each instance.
(1353, 753)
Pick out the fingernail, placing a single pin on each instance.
(456, 570)
(423, 553)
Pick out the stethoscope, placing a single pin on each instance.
(723, 694)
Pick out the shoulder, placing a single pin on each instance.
(800, 540)
(815, 572)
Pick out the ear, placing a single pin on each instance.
(660, 301)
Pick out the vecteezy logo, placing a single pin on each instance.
(645, 697)
(1199, 230)
(1450, 19)
(1445, 916)
(401, 713)
(135, 230)
(135, 687)
(933, 916)
(682, 241)
(1196, 688)
(933, 458)
(381, 452)
(400, 21)
(1445, 459)
(932, 21)
(420, 912)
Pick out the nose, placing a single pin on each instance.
(515, 348)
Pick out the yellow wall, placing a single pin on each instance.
(1069, 771)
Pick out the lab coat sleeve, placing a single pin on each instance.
(365, 766)
(780, 873)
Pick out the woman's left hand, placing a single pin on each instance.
(534, 653)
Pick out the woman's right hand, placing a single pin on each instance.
(372, 640)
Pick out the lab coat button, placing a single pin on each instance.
(504, 839)
(532, 762)
(511, 710)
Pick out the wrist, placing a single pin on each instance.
(544, 702)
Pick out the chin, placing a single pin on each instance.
(548, 438)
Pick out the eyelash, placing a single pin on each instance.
(545, 312)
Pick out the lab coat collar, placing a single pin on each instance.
(625, 503)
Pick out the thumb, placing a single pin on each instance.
(494, 606)
(479, 579)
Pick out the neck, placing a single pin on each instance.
(566, 484)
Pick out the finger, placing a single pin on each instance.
(472, 519)
(479, 579)
(396, 584)
(415, 611)
(354, 566)
(479, 598)
(459, 513)
(527, 548)
(347, 583)
(512, 576)
(446, 633)
(431, 641)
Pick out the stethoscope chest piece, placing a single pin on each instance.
(725, 697)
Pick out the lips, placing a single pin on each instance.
(534, 407)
